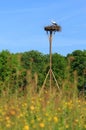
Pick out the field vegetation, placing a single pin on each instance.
(23, 106)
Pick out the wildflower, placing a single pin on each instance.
(24, 104)
(49, 119)
(76, 120)
(85, 102)
(26, 127)
(79, 106)
(48, 102)
(7, 118)
(32, 121)
(32, 108)
(40, 99)
(84, 126)
(66, 126)
(12, 112)
(8, 125)
(42, 125)
(39, 118)
(46, 91)
(46, 114)
(20, 115)
(59, 109)
(55, 119)
(79, 101)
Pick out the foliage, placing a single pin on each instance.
(36, 62)
(78, 63)
(59, 65)
(20, 69)
(11, 73)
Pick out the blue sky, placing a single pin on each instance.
(22, 25)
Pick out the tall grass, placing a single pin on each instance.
(63, 110)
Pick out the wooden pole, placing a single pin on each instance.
(50, 29)
(50, 41)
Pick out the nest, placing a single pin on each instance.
(52, 28)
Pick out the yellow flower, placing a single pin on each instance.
(76, 120)
(32, 108)
(12, 112)
(26, 127)
(79, 101)
(42, 125)
(50, 118)
(39, 118)
(8, 125)
(46, 114)
(59, 109)
(24, 104)
(7, 118)
(66, 126)
(84, 126)
(55, 119)
(32, 121)
(40, 99)
(46, 91)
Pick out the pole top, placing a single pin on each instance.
(52, 28)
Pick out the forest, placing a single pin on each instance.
(21, 70)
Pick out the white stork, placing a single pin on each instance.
(54, 23)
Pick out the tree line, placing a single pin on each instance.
(20, 70)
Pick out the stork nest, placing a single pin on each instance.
(52, 28)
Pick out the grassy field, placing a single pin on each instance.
(49, 111)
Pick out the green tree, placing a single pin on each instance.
(79, 64)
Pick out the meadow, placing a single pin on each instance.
(64, 110)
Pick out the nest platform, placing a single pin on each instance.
(52, 28)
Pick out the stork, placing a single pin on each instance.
(54, 23)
